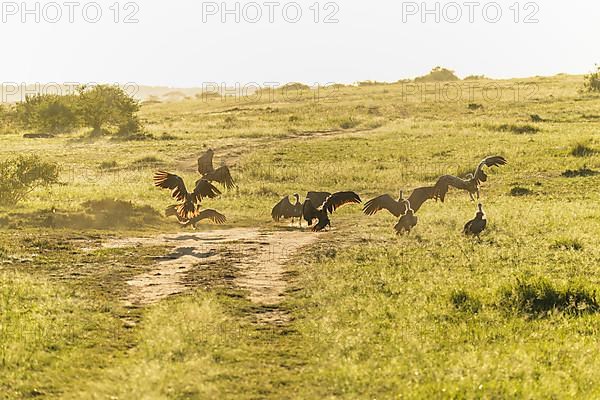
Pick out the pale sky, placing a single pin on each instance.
(171, 45)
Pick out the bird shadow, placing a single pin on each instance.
(188, 251)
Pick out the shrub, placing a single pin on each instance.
(7, 118)
(538, 296)
(23, 174)
(349, 123)
(592, 81)
(106, 107)
(518, 129)
(567, 244)
(475, 78)
(48, 113)
(518, 191)
(465, 302)
(581, 150)
(581, 172)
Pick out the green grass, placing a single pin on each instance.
(432, 315)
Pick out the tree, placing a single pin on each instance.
(23, 174)
(438, 74)
(592, 81)
(107, 108)
(50, 113)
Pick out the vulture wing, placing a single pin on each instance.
(441, 186)
(205, 163)
(283, 209)
(317, 198)
(212, 215)
(493, 161)
(186, 210)
(172, 211)
(384, 202)
(221, 175)
(309, 212)
(205, 189)
(339, 199)
(173, 182)
(420, 196)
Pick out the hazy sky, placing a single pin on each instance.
(172, 45)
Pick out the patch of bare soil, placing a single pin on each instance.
(259, 259)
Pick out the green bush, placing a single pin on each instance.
(106, 108)
(592, 81)
(48, 113)
(465, 302)
(23, 174)
(581, 150)
(538, 296)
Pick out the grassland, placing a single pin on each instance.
(433, 315)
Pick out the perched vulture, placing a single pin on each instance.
(477, 225)
(285, 209)
(398, 208)
(208, 172)
(407, 221)
(471, 184)
(212, 215)
(321, 213)
(188, 207)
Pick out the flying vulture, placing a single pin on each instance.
(189, 201)
(208, 172)
(471, 183)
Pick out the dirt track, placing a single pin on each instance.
(260, 259)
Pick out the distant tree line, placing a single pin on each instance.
(106, 109)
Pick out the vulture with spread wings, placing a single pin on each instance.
(208, 172)
(321, 213)
(472, 181)
(189, 201)
(211, 215)
(285, 209)
(317, 198)
(398, 207)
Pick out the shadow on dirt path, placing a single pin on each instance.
(259, 258)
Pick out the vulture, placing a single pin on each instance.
(285, 209)
(398, 208)
(472, 181)
(188, 207)
(407, 221)
(321, 213)
(477, 225)
(208, 172)
(212, 215)
(317, 198)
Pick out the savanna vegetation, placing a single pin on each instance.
(371, 315)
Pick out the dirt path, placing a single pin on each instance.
(259, 257)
